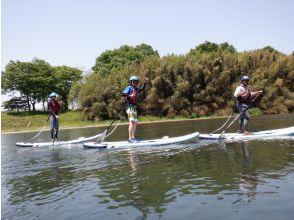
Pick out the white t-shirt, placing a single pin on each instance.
(241, 90)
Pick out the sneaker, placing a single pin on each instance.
(247, 132)
(132, 140)
(138, 139)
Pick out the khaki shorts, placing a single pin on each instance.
(132, 114)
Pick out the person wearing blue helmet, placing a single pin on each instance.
(54, 111)
(244, 97)
(130, 94)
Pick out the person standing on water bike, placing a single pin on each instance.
(244, 99)
(54, 110)
(131, 96)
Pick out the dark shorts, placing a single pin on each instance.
(245, 114)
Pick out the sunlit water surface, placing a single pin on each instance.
(197, 180)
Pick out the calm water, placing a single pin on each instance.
(199, 180)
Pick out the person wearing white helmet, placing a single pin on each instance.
(54, 110)
(130, 94)
(244, 97)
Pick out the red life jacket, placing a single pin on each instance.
(133, 99)
(55, 107)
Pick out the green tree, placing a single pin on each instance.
(270, 49)
(200, 83)
(227, 47)
(64, 77)
(112, 60)
(209, 47)
(31, 79)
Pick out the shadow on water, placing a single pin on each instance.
(182, 181)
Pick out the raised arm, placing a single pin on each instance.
(253, 94)
(146, 80)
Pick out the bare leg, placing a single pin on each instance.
(134, 129)
(131, 130)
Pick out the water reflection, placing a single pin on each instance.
(146, 183)
(136, 190)
(151, 181)
(248, 180)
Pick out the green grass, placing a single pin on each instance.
(157, 118)
(255, 111)
(28, 121)
(24, 121)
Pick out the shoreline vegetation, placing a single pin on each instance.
(199, 83)
(34, 121)
(195, 85)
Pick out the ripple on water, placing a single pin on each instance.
(235, 180)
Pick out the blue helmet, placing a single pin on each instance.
(53, 94)
(244, 78)
(134, 78)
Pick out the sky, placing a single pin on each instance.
(75, 32)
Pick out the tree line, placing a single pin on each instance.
(199, 83)
(35, 80)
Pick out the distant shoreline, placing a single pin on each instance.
(123, 123)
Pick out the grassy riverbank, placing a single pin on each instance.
(29, 121)
(32, 121)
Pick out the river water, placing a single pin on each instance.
(198, 180)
